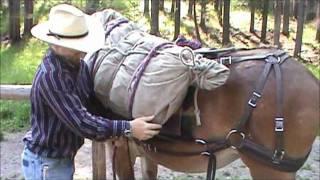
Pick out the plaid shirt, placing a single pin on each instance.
(59, 118)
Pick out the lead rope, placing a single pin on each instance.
(212, 165)
(196, 107)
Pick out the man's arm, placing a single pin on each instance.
(69, 109)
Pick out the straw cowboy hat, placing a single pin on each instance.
(71, 28)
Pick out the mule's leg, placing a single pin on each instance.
(259, 171)
(149, 169)
(124, 161)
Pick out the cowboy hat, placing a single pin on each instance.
(71, 28)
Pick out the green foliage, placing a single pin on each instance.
(3, 20)
(14, 115)
(19, 63)
(128, 8)
(315, 70)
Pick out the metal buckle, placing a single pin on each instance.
(201, 141)
(279, 124)
(205, 153)
(253, 100)
(274, 60)
(184, 54)
(232, 132)
(228, 59)
(277, 156)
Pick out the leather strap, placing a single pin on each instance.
(264, 155)
(212, 166)
(279, 119)
(257, 93)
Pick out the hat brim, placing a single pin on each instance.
(93, 41)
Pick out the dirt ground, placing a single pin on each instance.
(11, 148)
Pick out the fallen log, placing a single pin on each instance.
(15, 92)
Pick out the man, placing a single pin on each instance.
(61, 89)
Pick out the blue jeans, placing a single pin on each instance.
(35, 167)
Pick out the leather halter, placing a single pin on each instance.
(277, 158)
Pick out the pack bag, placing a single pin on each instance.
(137, 74)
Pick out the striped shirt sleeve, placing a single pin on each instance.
(58, 95)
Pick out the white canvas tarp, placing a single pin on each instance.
(163, 83)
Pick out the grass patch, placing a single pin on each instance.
(315, 70)
(19, 63)
(14, 115)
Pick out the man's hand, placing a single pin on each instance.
(142, 129)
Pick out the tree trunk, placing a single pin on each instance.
(264, 20)
(301, 12)
(220, 11)
(195, 21)
(28, 16)
(14, 20)
(155, 17)
(92, 6)
(216, 5)
(277, 23)
(146, 8)
(318, 24)
(190, 7)
(252, 5)
(295, 8)
(226, 23)
(161, 5)
(173, 5)
(177, 20)
(291, 8)
(286, 16)
(203, 15)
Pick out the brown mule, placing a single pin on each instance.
(220, 111)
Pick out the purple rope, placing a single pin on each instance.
(112, 26)
(139, 72)
(193, 44)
